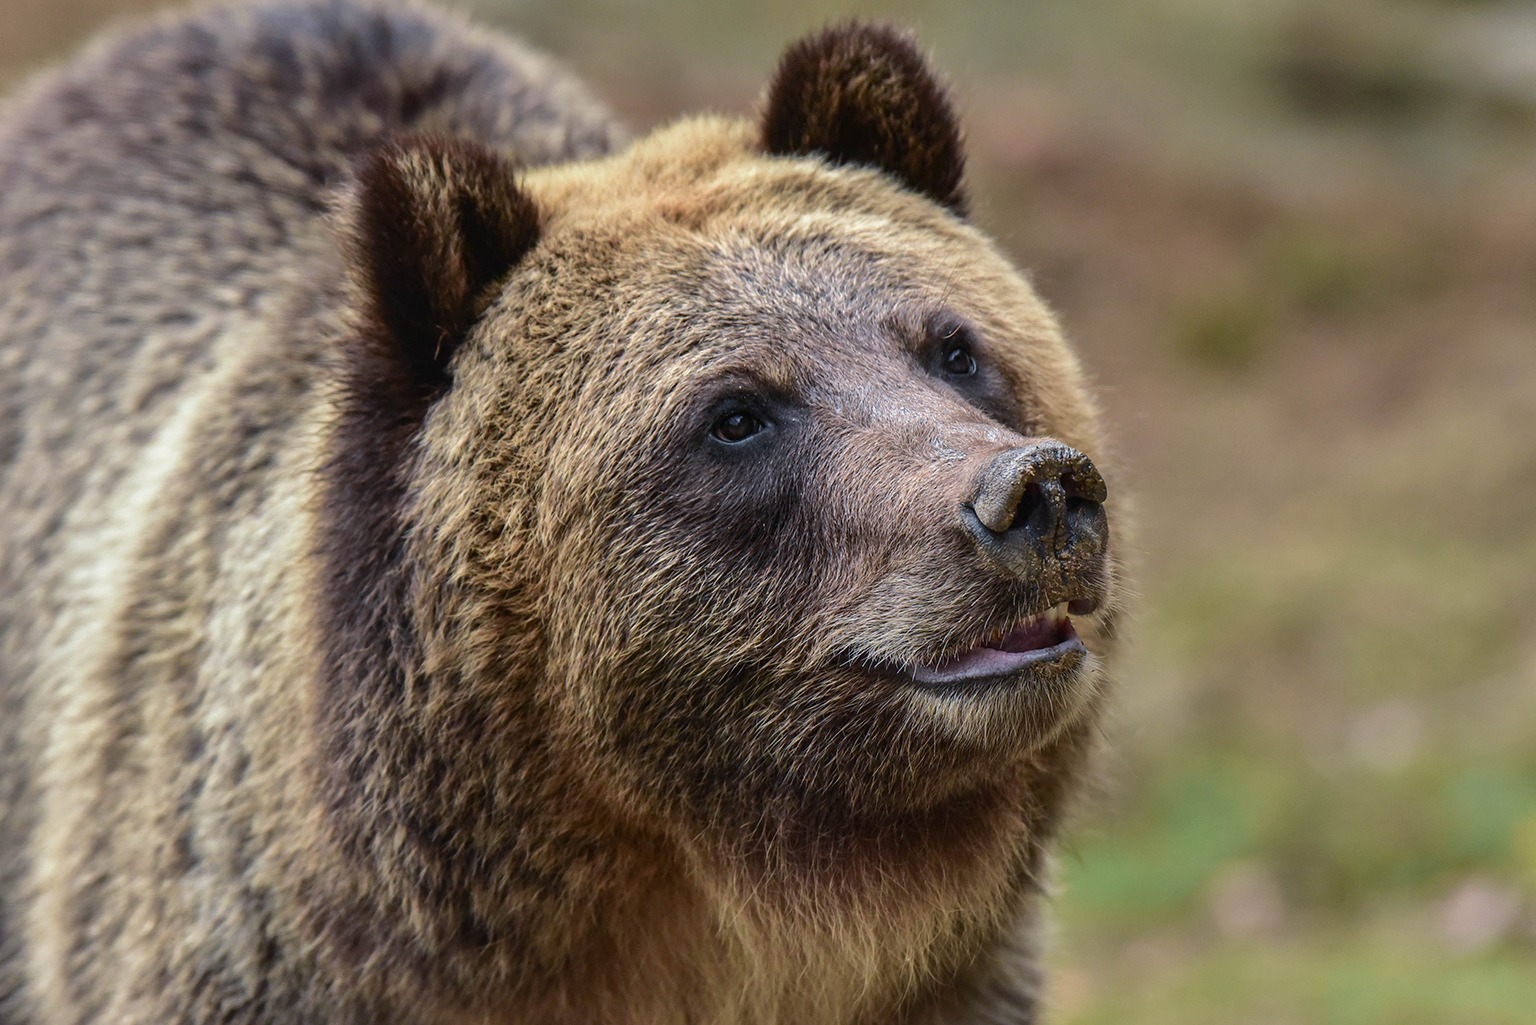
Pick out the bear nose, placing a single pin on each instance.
(1045, 499)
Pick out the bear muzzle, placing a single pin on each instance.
(1036, 513)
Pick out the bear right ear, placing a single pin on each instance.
(433, 224)
(863, 94)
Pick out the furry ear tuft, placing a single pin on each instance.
(863, 94)
(434, 224)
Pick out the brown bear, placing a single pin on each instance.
(457, 566)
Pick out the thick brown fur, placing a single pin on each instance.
(385, 632)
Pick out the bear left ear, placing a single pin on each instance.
(863, 94)
(434, 223)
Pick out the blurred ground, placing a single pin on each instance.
(1295, 242)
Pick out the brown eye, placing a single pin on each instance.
(959, 362)
(736, 427)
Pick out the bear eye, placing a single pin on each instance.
(736, 427)
(958, 361)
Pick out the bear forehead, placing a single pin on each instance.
(711, 257)
(791, 309)
(693, 229)
(708, 176)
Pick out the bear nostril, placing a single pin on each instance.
(1030, 503)
(1040, 507)
(1077, 506)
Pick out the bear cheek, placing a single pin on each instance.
(670, 613)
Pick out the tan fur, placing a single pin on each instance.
(559, 754)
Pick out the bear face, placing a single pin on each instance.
(705, 430)
(809, 567)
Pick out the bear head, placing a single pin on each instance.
(733, 490)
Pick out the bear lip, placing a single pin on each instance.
(1039, 639)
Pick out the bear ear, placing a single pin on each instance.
(434, 223)
(863, 94)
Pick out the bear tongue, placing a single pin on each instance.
(1045, 631)
(1021, 646)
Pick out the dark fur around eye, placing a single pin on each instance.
(954, 352)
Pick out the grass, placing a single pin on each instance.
(1384, 972)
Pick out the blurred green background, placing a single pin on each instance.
(1295, 241)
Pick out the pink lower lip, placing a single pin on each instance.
(1026, 646)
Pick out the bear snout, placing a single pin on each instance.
(1036, 505)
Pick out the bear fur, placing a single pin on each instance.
(458, 566)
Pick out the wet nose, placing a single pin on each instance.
(1040, 501)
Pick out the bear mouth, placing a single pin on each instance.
(1044, 640)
